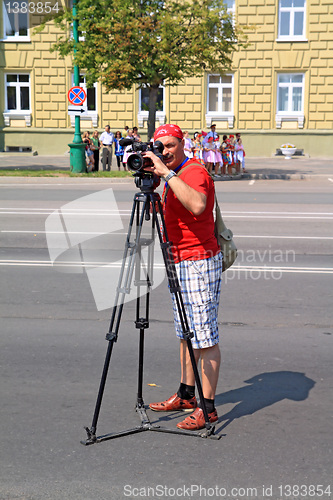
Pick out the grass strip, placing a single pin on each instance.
(17, 172)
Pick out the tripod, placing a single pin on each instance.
(146, 206)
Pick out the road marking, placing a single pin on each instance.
(230, 214)
(71, 182)
(331, 180)
(12, 231)
(235, 268)
(285, 237)
(77, 212)
(252, 182)
(64, 210)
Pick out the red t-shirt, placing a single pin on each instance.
(192, 236)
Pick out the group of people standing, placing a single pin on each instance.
(105, 144)
(219, 157)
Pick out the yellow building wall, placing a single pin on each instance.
(261, 62)
(255, 72)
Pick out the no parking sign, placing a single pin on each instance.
(77, 98)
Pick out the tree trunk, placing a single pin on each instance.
(153, 91)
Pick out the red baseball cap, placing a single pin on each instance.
(168, 130)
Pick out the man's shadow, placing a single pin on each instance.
(264, 390)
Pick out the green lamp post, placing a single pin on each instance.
(77, 147)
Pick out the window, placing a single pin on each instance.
(15, 22)
(220, 98)
(144, 99)
(290, 98)
(291, 20)
(144, 106)
(17, 98)
(17, 92)
(91, 93)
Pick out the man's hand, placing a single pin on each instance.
(159, 167)
(192, 200)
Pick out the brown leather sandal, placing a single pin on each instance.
(175, 403)
(196, 421)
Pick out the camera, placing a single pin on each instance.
(136, 161)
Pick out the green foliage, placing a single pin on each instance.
(148, 43)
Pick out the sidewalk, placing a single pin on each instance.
(258, 168)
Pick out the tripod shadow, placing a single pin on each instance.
(264, 390)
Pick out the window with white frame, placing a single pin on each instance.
(91, 93)
(17, 98)
(17, 92)
(220, 92)
(15, 21)
(144, 105)
(291, 20)
(290, 98)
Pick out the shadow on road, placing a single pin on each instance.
(264, 390)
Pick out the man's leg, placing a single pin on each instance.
(210, 367)
(104, 157)
(109, 158)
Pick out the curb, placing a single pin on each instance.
(284, 177)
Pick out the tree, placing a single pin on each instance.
(148, 43)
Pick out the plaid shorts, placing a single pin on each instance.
(200, 282)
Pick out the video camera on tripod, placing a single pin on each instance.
(146, 181)
(136, 162)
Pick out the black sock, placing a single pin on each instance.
(210, 405)
(186, 391)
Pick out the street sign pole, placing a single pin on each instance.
(77, 147)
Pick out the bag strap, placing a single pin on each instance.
(179, 173)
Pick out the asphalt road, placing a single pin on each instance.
(274, 394)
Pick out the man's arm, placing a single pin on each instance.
(193, 200)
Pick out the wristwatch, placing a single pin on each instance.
(168, 177)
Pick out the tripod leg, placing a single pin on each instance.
(91, 433)
(122, 289)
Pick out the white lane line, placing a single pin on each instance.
(66, 210)
(252, 182)
(83, 182)
(331, 180)
(278, 216)
(128, 211)
(12, 231)
(285, 237)
(272, 269)
(110, 214)
(57, 232)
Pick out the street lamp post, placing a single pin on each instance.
(77, 147)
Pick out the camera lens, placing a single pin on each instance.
(134, 162)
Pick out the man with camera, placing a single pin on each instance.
(188, 207)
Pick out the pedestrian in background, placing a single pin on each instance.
(95, 147)
(128, 148)
(119, 150)
(107, 139)
(136, 134)
(209, 154)
(90, 162)
(188, 145)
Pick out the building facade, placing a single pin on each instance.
(280, 88)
